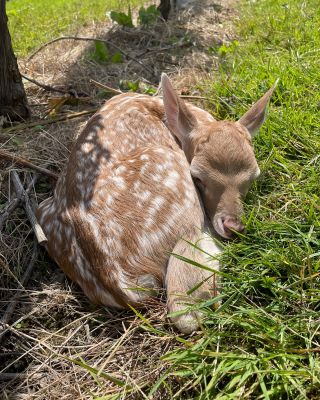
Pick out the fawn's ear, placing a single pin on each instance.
(255, 116)
(179, 119)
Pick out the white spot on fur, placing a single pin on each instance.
(157, 178)
(120, 170)
(87, 147)
(157, 202)
(109, 200)
(172, 180)
(119, 182)
(143, 169)
(145, 195)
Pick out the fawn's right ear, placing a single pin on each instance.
(179, 119)
(255, 116)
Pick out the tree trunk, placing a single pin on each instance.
(13, 100)
(164, 8)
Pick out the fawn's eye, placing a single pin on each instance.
(198, 183)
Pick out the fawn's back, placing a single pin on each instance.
(126, 197)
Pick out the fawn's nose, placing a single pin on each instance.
(232, 225)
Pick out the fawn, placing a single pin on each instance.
(145, 176)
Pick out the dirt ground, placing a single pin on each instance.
(53, 334)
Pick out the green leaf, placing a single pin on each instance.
(148, 15)
(101, 53)
(117, 58)
(130, 85)
(121, 18)
(150, 90)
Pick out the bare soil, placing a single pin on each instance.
(54, 333)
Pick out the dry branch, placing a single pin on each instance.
(63, 117)
(9, 376)
(49, 88)
(108, 88)
(45, 87)
(5, 213)
(41, 237)
(92, 40)
(26, 163)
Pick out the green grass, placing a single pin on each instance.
(264, 341)
(34, 22)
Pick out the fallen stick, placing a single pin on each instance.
(5, 213)
(26, 163)
(45, 87)
(102, 86)
(92, 40)
(15, 298)
(149, 51)
(62, 117)
(10, 376)
(41, 237)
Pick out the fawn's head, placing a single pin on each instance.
(221, 157)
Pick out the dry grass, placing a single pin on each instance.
(55, 335)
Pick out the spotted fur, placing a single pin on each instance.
(127, 200)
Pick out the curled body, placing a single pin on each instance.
(127, 200)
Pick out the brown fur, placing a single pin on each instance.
(127, 199)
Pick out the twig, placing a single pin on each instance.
(26, 163)
(93, 40)
(102, 86)
(49, 88)
(41, 237)
(5, 213)
(9, 376)
(149, 51)
(46, 87)
(62, 117)
(14, 301)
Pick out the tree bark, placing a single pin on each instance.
(13, 100)
(164, 8)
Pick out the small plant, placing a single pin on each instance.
(148, 15)
(133, 86)
(100, 52)
(228, 48)
(117, 58)
(121, 18)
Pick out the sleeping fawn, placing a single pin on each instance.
(145, 177)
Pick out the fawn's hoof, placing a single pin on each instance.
(187, 323)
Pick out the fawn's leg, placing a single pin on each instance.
(181, 277)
